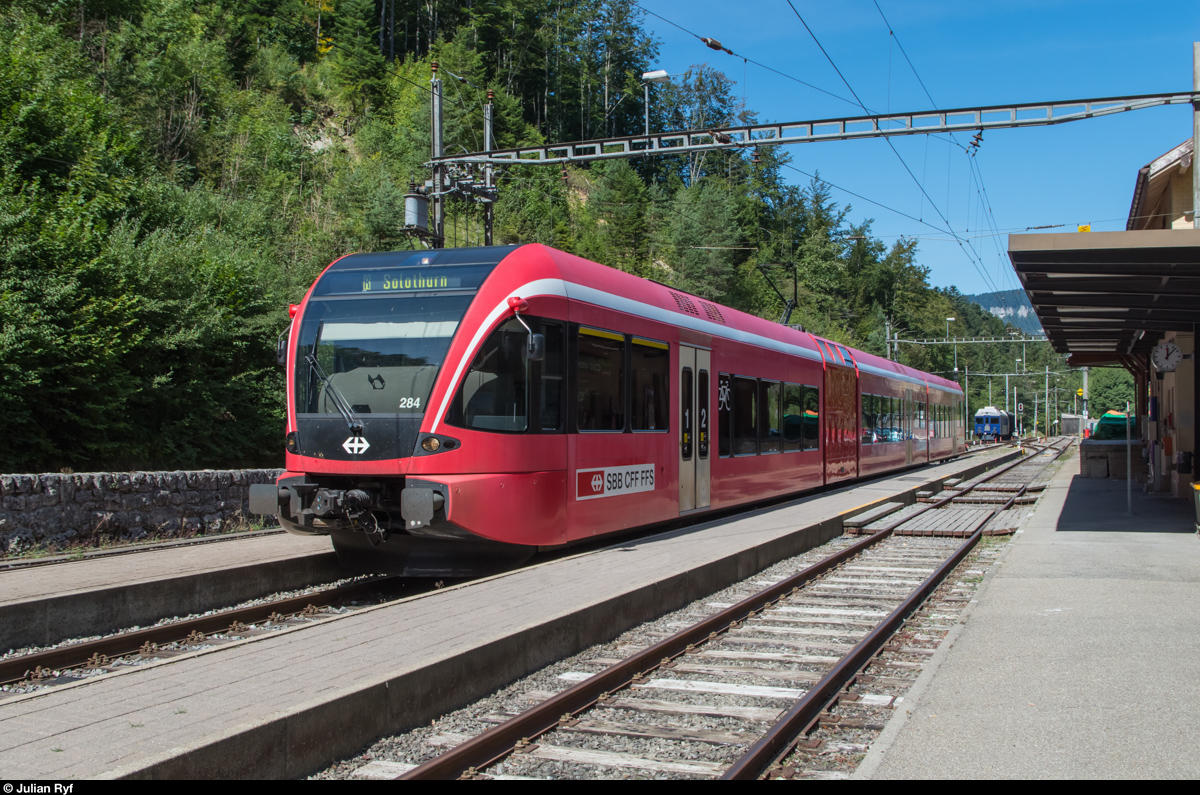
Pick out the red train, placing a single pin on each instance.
(452, 411)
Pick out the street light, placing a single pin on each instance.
(657, 76)
(955, 344)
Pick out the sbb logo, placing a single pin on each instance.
(591, 484)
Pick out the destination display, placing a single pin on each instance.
(401, 280)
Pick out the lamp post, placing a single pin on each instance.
(955, 346)
(657, 76)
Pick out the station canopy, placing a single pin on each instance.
(1108, 297)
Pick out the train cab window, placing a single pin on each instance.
(494, 395)
(770, 432)
(551, 396)
(812, 418)
(868, 419)
(745, 424)
(600, 380)
(793, 417)
(650, 365)
(724, 415)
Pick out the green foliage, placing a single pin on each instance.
(357, 62)
(1109, 389)
(173, 174)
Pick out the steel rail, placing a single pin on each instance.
(131, 549)
(806, 712)
(96, 653)
(498, 742)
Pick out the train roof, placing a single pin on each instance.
(595, 283)
(528, 266)
(991, 411)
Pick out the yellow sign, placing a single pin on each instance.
(1079, 392)
(1085, 227)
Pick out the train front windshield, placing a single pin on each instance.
(380, 354)
(376, 330)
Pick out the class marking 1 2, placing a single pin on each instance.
(591, 484)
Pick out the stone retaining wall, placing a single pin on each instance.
(55, 511)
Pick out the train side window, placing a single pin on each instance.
(724, 415)
(892, 426)
(553, 371)
(600, 380)
(745, 425)
(494, 395)
(702, 418)
(793, 417)
(812, 418)
(868, 419)
(769, 425)
(921, 422)
(650, 376)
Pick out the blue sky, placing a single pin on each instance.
(967, 54)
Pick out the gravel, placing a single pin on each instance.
(76, 674)
(839, 748)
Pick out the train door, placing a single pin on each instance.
(840, 419)
(907, 426)
(695, 424)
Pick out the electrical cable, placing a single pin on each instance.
(976, 262)
(749, 60)
(929, 96)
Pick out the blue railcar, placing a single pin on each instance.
(993, 424)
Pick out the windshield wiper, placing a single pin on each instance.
(356, 426)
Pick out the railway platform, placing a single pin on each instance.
(45, 604)
(1079, 657)
(283, 704)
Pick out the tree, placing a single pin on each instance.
(358, 63)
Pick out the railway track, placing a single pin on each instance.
(763, 681)
(71, 662)
(131, 549)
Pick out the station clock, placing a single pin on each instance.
(1166, 357)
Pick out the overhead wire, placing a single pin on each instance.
(975, 260)
(747, 59)
(929, 96)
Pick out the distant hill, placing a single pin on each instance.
(1011, 306)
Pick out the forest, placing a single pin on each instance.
(173, 175)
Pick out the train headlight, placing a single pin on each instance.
(431, 444)
(292, 443)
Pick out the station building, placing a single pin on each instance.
(1130, 299)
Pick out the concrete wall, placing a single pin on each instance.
(53, 510)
